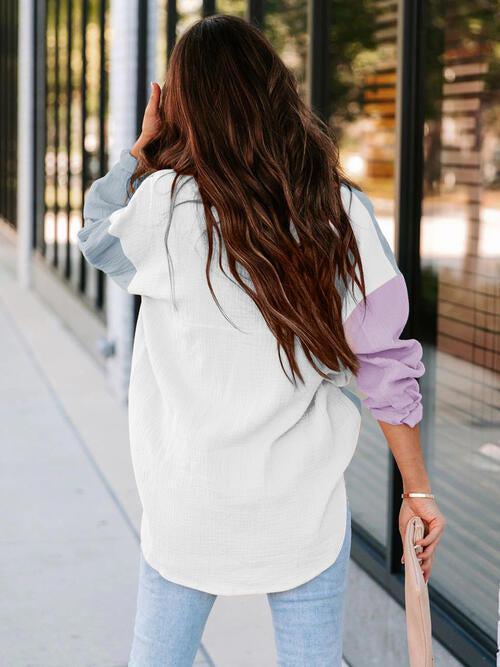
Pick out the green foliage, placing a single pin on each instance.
(353, 54)
(286, 27)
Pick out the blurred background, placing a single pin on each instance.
(411, 90)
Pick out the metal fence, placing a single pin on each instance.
(8, 110)
(72, 47)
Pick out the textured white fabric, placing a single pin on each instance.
(240, 474)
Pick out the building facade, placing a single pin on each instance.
(411, 90)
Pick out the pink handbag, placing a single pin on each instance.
(418, 613)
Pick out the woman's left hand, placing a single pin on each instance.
(151, 120)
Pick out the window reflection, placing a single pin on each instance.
(363, 117)
(285, 24)
(460, 250)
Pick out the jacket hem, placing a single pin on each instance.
(282, 584)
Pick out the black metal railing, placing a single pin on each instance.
(8, 110)
(71, 137)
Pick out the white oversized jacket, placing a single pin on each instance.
(240, 473)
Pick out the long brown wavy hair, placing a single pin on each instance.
(232, 118)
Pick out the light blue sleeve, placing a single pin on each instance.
(105, 196)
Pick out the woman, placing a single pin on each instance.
(266, 286)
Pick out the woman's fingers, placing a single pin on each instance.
(151, 120)
(153, 105)
(433, 534)
(426, 562)
(435, 522)
(154, 97)
(426, 569)
(428, 552)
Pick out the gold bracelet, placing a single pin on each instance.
(417, 494)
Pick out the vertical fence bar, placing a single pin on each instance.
(3, 115)
(6, 115)
(69, 28)
(3, 133)
(40, 136)
(101, 278)
(13, 64)
(255, 12)
(55, 256)
(102, 88)
(3, 111)
(25, 127)
(5, 107)
(208, 8)
(318, 73)
(171, 26)
(142, 62)
(142, 84)
(84, 168)
(3, 77)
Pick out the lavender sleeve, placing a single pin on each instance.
(389, 365)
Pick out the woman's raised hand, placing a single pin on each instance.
(151, 120)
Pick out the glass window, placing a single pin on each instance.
(285, 24)
(363, 117)
(460, 303)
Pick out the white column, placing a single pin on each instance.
(122, 134)
(25, 141)
(153, 22)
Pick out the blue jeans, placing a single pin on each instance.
(307, 620)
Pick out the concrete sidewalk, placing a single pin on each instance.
(70, 512)
(68, 553)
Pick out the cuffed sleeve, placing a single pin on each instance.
(389, 365)
(107, 195)
(125, 237)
